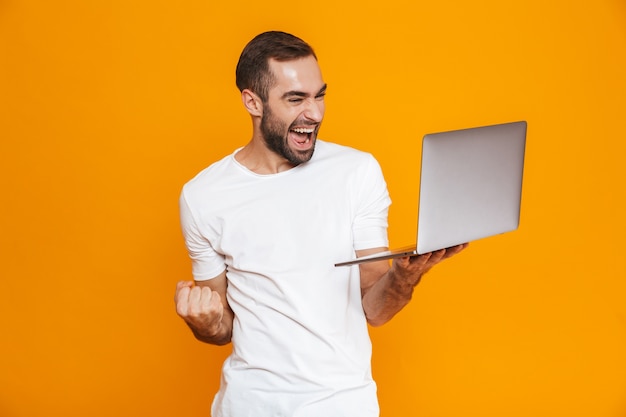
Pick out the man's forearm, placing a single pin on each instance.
(394, 289)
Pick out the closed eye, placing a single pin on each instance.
(322, 93)
(296, 97)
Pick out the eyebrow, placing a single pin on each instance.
(296, 93)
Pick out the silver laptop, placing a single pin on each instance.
(470, 188)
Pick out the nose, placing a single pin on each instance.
(314, 110)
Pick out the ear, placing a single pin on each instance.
(252, 102)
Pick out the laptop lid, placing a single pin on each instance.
(471, 184)
(470, 187)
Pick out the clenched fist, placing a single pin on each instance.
(203, 309)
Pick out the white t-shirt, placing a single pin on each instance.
(300, 340)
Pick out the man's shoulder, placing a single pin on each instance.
(214, 173)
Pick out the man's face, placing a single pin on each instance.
(294, 109)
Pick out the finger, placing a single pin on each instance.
(425, 262)
(437, 256)
(216, 304)
(193, 301)
(424, 259)
(455, 249)
(216, 301)
(183, 284)
(182, 301)
(212, 302)
(419, 259)
(206, 297)
(415, 264)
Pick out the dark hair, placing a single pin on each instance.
(253, 71)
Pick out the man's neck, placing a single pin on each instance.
(260, 160)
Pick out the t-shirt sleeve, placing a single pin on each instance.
(206, 263)
(370, 223)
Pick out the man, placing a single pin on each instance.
(264, 228)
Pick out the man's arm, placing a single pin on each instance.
(385, 289)
(205, 309)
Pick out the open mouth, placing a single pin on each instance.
(302, 135)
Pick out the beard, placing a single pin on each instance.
(276, 136)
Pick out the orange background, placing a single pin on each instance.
(108, 107)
